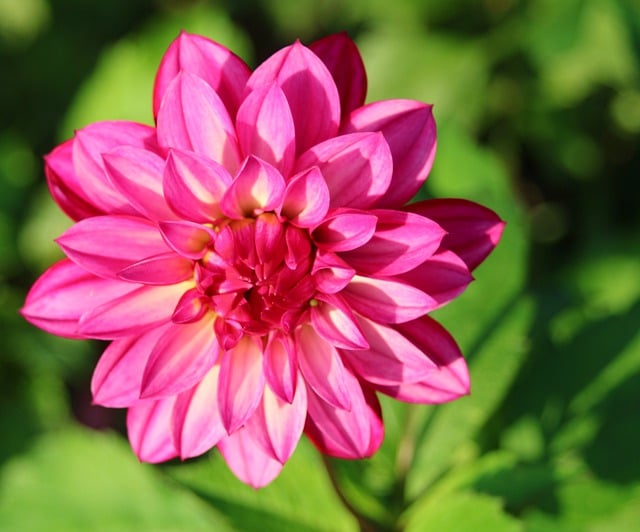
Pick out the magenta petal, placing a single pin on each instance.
(443, 277)
(133, 312)
(90, 143)
(306, 199)
(64, 186)
(117, 378)
(357, 168)
(194, 186)
(322, 367)
(167, 268)
(335, 322)
(247, 458)
(64, 293)
(241, 382)
(356, 433)
(341, 56)
(390, 359)
(258, 188)
(137, 174)
(104, 245)
(451, 378)
(410, 131)
(281, 366)
(310, 91)
(189, 239)
(401, 242)
(386, 300)
(344, 229)
(197, 425)
(180, 359)
(330, 273)
(149, 429)
(265, 127)
(473, 230)
(192, 117)
(224, 71)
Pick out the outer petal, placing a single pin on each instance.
(410, 130)
(241, 383)
(386, 300)
(248, 459)
(449, 381)
(306, 199)
(344, 229)
(335, 322)
(356, 167)
(180, 359)
(192, 117)
(64, 186)
(197, 425)
(117, 378)
(168, 268)
(400, 243)
(90, 144)
(149, 428)
(194, 186)
(265, 127)
(346, 434)
(322, 367)
(341, 56)
(64, 293)
(104, 245)
(224, 71)
(473, 230)
(306, 83)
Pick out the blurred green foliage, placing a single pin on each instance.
(538, 107)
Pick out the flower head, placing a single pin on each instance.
(253, 262)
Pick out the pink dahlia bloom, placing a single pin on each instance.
(253, 262)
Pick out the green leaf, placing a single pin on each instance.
(301, 498)
(81, 480)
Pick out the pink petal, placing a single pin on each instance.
(241, 382)
(224, 71)
(194, 186)
(64, 186)
(357, 168)
(247, 458)
(281, 366)
(137, 174)
(180, 359)
(386, 300)
(149, 428)
(167, 268)
(344, 229)
(64, 293)
(197, 425)
(193, 305)
(90, 144)
(449, 381)
(330, 273)
(322, 367)
(192, 117)
(341, 56)
(104, 245)
(258, 188)
(410, 131)
(335, 322)
(117, 379)
(189, 239)
(390, 359)
(308, 85)
(306, 199)
(133, 312)
(355, 433)
(400, 243)
(443, 277)
(265, 127)
(473, 230)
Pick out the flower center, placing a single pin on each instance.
(256, 276)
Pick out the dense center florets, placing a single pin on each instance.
(252, 280)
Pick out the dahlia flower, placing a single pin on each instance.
(253, 260)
